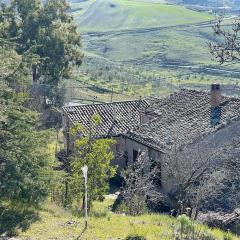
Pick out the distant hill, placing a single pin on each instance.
(109, 15)
(205, 3)
(214, 3)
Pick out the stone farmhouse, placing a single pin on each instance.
(187, 119)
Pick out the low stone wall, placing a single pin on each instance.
(225, 221)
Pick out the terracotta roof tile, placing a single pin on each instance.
(182, 118)
(117, 118)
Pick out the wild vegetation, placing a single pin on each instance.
(24, 165)
(105, 224)
(40, 48)
(96, 154)
(27, 175)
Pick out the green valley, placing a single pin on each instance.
(123, 14)
(148, 44)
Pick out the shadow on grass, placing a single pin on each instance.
(14, 217)
(81, 234)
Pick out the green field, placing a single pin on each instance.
(184, 45)
(141, 48)
(112, 15)
(154, 62)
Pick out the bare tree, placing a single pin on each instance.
(200, 176)
(227, 47)
(140, 185)
(230, 155)
(186, 169)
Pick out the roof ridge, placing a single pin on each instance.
(206, 92)
(109, 103)
(194, 90)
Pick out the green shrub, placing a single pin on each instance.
(121, 208)
(227, 236)
(16, 216)
(99, 213)
(135, 237)
(186, 224)
(135, 206)
(186, 229)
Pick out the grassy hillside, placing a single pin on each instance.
(183, 45)
(146, 47)
(214, 3)
(56, 223)
(155, 61)
(112, 15)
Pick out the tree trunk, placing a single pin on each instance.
(83, 202)
(66, 193)
(34, 73)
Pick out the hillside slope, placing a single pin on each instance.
(209, 3)
(147, 44)
(213, 3)
(106, 15)
(56, 223)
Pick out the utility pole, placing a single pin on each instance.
(85, 175)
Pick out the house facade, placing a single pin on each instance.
(116, 118)
(184, 122)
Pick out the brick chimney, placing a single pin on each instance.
(216, 100)
(216, 95)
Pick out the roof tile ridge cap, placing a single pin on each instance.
(163, 100)
(174, 94)
(183, 90)
(232, 98)
(149, 99)
(108, 103)
(159, 102)
(194, 90)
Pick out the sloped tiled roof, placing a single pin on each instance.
(116, 118)
(182, 118)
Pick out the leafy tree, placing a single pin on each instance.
(25, 167)
(23, 152)
(44, 29)
(96, 154)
